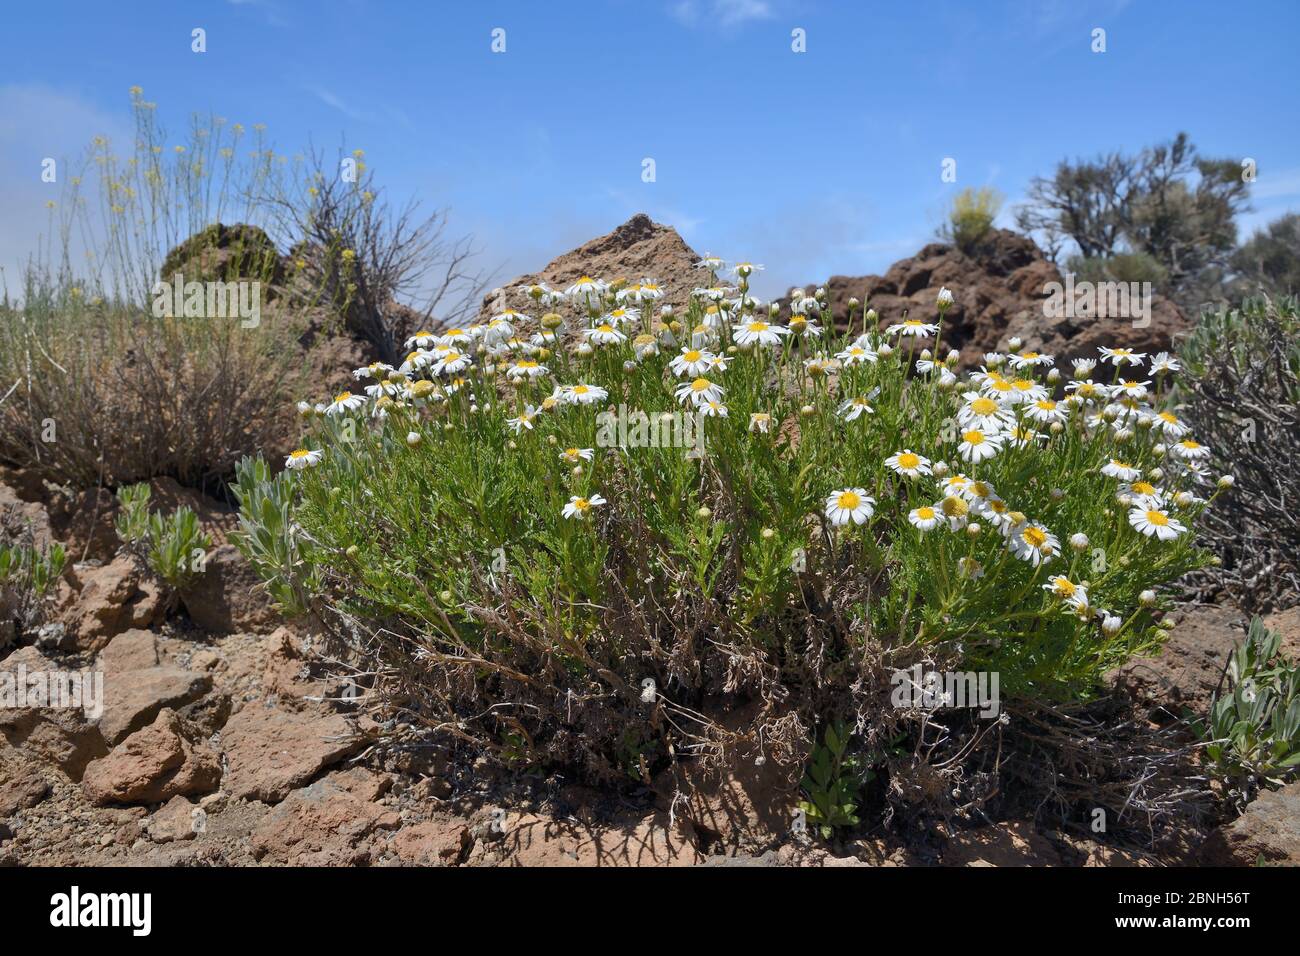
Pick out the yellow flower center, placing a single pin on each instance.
(955, 507)
(1144, 487)
(1064, 587)
(299, 453)
(973, 437)
(1158, 518)
(983, 406)
(848, 500)
(757, 326)
(908, 460)
(1034, 537)
(1046, 405)
(694, 355)
(342, 396)
(1169, 417)
(1023, 384)
(701, 385)
(580, 390)
(582, 504)
(925, 513)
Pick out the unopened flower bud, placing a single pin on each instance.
(1079, 541)
(413, 438)
(1015, 345)
(1226, 481)
(1147, 598)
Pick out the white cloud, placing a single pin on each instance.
(724, 13)
(37, 122)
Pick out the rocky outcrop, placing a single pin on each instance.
(228, 596)
(152, 765)
(638, 249)
(1000, 289)
(1268, 832)
(271, 752)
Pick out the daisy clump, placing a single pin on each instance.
(505, 573)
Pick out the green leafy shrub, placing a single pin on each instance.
(173, 545)
(1253, 729)
(132, 521)
(971, 216)
(177, 547)
(1241, 392)
(27, 574)
(513, 562)
(832, 782)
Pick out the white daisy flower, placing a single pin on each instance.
(622, 316)
(1023, 360)
(1121, 470)
(1153, 521)
(759, 333)
(805, 327)
(854, 408)
(580, 508)
(692, 362)
(712, 409)
(604, 334)
(924, 518)
(1142, 493)
(712, 263)
(451, 363)
(1163, 363)
(980, 411)
(760, 422)
(586, 292)
(699, 391)
(977, 445)
(1062, 587)
(912, 327)
(1045, 411)
(303, 458)
(526, 369)
(955, 512)
(525, 419)
(344, 402)
(422, 339)
(583, 394)
(850, 504)
(1032, 542)
(1118, 357)
(908, 463)
(1168, 424)
(1189, 449)
(1025, 390)
(743, 270)
(455, 338)
(855, 355)
(576, 456)
(1129, 388)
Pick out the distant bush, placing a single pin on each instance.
(1241, 393)
(971, 216)
(1121, 267)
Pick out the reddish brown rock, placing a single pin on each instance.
(113, 598)
(1268, 832)
(228, 596)
(639, 248)
(329, 822)
(155, 764)
(20, 791)
(132, 698)
(61, 736)
(288, 672)
(999, 291)
(1183, 676)
(175, 820)
(441, 842)
(272, 751)
(130, 651)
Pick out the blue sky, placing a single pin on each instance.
(814, 163)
